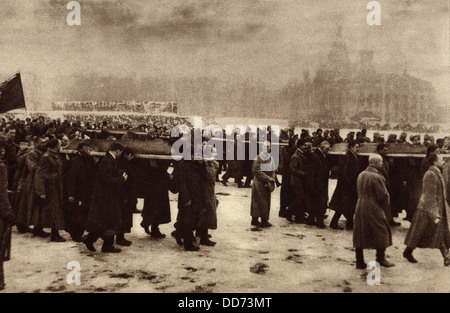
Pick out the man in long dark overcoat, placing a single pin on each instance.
(344, 197)
(156, 210)
(191, 177)
(27, 200)
(319, 190)
(79, 182)
(105, 213)
(298, 182)
(48, 184)
(371, 229)
(286, 192)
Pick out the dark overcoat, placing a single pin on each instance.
(399, 190)
(190, 176)
(156, 209)
(261, 195)
(320, 175)
(298, 173)
(49, 181)
(415, 184)
(5, 210)
(286, 192)
(27, 200)
(129, 192)
(345, 196)
(424, 232)
(18, 182)
(371, 226)
(105, 215)
(79, 184)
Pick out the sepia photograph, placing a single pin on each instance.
(243, 149)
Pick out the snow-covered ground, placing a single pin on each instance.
(287, 258)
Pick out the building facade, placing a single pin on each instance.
(343, 90)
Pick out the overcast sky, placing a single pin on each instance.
(271, 40)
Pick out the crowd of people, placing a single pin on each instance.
(370, 192)
(93, 126)
(121, 106)
(91, 197)
(419, 128)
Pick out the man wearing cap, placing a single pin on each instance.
(350, 137)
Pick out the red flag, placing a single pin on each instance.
(11, 94)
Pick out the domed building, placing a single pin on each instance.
(343, 90)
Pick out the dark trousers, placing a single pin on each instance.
(360, 255)
(318, 208)
(227, 176)
(299, 206)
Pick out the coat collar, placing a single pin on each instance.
(372, 169)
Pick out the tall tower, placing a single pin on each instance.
(338, 62)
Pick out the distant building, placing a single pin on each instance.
(345, 91)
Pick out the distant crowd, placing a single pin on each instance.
(122, 106)
(405, 126)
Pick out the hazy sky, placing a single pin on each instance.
(271, 40)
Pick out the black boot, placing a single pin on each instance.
(204, 239)
(360, 264)
(320, 224)
(335, 221)
(108, 245)
(56, 237)
(23, 229)
(408, 255)
(255, 222)
(288, 215)
(177, 237)
(145, 227)
(39, 232)
(382, 259)
(190, 243)
(265, 223)
(156, 233)
(310, 221)
(121, 241)
(89, 242)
